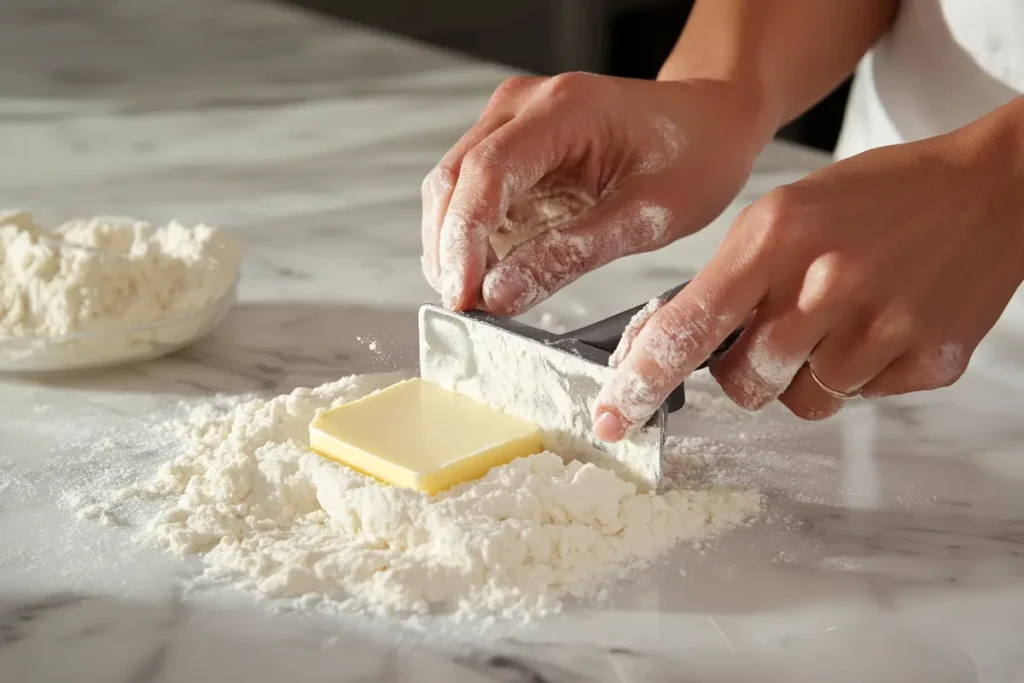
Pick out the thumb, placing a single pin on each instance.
(619, 225)
(676, 339)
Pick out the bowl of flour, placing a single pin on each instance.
(105, 291)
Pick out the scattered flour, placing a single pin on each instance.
(97, 512)
(101, 275)
(372, 344)
(266, 513)
(551, 322)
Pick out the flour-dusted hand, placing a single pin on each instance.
(660, 159)
(878, 275)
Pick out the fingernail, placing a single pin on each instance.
(608, 427)
(510, 290)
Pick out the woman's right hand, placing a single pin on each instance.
(660, 159)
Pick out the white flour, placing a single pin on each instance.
(105, 274)
(269, 515)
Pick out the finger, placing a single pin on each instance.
(791, 324)
(505, 164)
(807, 400)
(933, 368)
(844, 361)
(434, 193)
(680, 336)
(437, 187)
(508, 99)
(534, 270)
(767, 356)
(636, 324)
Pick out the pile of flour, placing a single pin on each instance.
(269, 515)
(99, 274)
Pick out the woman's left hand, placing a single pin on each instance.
(880, 273)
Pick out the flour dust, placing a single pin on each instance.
(267, 515)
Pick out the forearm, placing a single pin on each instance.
(992, 150)
(783, 55)
(998, 138)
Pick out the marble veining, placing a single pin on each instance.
(893, 544)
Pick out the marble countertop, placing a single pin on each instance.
(900, 551)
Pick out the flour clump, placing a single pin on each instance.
(266, 513)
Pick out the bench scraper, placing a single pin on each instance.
(551, 380)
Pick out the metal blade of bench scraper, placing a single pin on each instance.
(539, 377)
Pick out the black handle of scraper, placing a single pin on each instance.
(606, 334)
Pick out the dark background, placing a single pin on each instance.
(619, 37)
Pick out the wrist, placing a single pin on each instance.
(993, 149)
(744, 112)
(1010, 131)
(990, 151)
(748, 104)
(1011, 143)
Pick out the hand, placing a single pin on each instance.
(882, 273)
(661, 160)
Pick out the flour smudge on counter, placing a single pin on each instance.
(270, 516)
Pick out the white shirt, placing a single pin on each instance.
(943, 64)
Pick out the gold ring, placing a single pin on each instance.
(841, 395)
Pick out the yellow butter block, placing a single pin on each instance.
(421, 436)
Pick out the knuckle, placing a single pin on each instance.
(675, 333)
(770, 221)
(510, 87)
(561, 262)
(568, 86)
(826, 281)
(777, 212)
(742, 389)
(943, 366)
(440, 178)
(896, 326)
(929, 368)
(776, 350)
(676, 316)
(751, 380)
(483, 165)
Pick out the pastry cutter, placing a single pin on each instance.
(550, 380)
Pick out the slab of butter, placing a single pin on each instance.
(418, 435)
